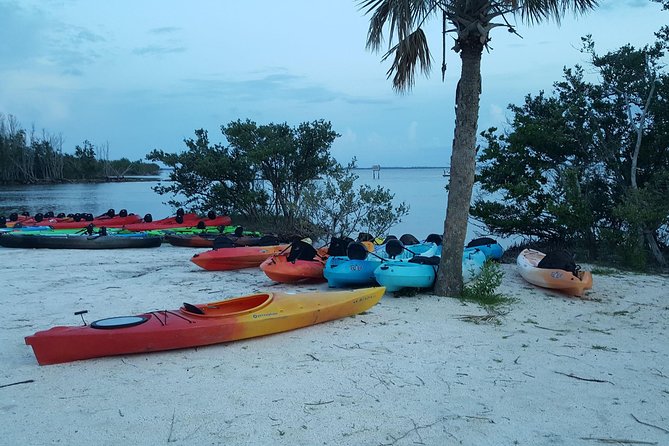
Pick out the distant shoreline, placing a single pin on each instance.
(406, 168)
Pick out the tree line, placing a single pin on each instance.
(27, 158)
(588, 165)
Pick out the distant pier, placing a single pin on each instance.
(376, 171)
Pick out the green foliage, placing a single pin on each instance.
(589, 165)
(83, 165)
(483, 290)
(276, 173)
(124, 166)
(286, 158)
(211, 177)
(338, 209)
(27, 158)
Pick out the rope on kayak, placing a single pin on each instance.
(156, 314)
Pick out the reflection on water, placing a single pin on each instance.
(422, 189)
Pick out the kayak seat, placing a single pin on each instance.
(223, 242)
(394, 248)
(300, 250)
(268, 240)
(365, 237)
(422, 260)
(409, 239)
(356, 251)
(482, 241)
(192, 308)
(560, 259)
(338, 246)
(434, 238)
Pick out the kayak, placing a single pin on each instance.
(26, 229)
(72, 241)
(70, 223)
(303, 263)
(224, 259)
(185, 220)
(489, 246)
(197, 325)
(357, 268)
(280, 269)
(556, 279)
(207, 240)
(421, 271)
(191, 240)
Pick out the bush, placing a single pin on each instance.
(483, 290)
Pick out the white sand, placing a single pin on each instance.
(407, 372)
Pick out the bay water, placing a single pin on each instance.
(423, 189)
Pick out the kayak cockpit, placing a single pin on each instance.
(119, 322)
(231, 307)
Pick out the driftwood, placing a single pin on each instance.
(17, 383)
(592, 380)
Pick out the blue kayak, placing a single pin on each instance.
(421, 271)
(357, 268)
(489, 246)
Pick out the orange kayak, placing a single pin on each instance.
(197, 325)
(280, 269)
(556, 279)
(224, 259)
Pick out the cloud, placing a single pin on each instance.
(279, 86)
(165, 30)
(39, 40)
(21, 34)
(158, 50)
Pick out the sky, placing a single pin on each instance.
(135, 76)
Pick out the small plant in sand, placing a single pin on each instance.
(483, 291)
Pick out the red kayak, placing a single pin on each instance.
(109, 222)
(186, 221)
(224, 259)
(70, 223)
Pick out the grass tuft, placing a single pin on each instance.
(483, 291)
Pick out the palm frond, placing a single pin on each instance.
(408, 53)
(535, 11)
(401, 16)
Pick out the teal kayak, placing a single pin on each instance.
(357, 268)
(421, 271)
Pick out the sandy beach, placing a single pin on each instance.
(554, 371)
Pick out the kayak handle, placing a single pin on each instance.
(81, 313)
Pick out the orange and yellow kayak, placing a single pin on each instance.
(224, 259)
(197, 325)
(557, 279)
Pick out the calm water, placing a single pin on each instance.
(422, 189)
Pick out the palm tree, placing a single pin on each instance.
(471, 21)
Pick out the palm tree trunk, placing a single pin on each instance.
(463, 165)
